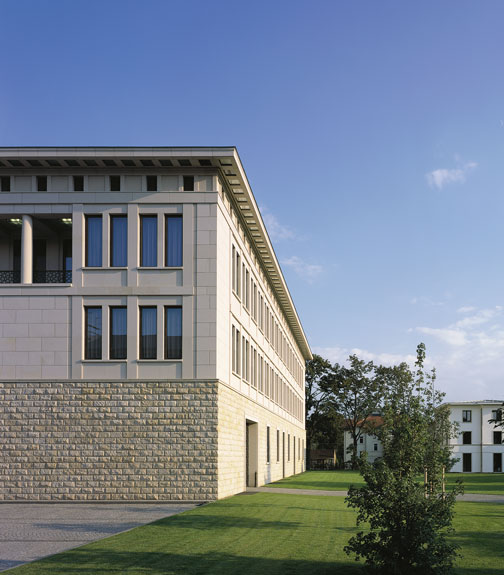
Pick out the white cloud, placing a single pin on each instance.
(276, 230)
(466, 309)
(307, 271)
(441, 177)
(450, 336)
(426, 301)
(340, 355)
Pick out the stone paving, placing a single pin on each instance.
(30, 531)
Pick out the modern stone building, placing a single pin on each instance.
(478, 446)
(149, 345)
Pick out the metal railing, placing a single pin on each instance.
(39, 276)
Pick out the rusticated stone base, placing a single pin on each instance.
(124, 440)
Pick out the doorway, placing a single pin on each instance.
(251, 453)
(497, 462)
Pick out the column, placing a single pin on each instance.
(27, 250)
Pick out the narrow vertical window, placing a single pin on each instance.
(267, 444)
(233, 349)
(152, 183)
(42, 183)
(93, 334)
(93, 241)
(188, 183)
(5, 184)
(173, 241)
(148, 241)
(173, 332)
(233, 268)
(278, 445)
(115, 183)
(78, 183)
(118, 319)
(118, 241)
(148, 332)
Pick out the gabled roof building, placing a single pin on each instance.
(149, 346)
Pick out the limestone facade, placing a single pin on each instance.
(149, 345)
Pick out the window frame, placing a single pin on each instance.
(467, 415)
(89, 217)
(268, 445)
(112, 308)
(165, 331)
(143, 217)
(113, 218)
(87, 351)
(140, 327)
(174, 217)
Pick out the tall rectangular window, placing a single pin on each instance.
(173, 332)
(188, 183)
(267, 444)
(118, 320)
(148, 241)
(173, 246)
(119, 241)
(42, 183)
(278, 445)
(93, 333)
(5, 184)
(466, 438)
(466, 462)
(78, 183)
(152, 183)
(94, 241)
(115, 183)
(148, 332)
(497, 437)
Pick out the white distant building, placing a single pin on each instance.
(478, 446)
(149, 346)
(366, 441)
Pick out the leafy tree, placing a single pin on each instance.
(356, 392)
(318, 410)
(408, 519)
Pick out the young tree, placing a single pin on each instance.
(356, 393)
(408, 519)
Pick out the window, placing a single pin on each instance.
(118, 241)
(497, 414)
(118, 321)
(497, 462)
(148, 332)
(152, 183)
(278, 445)
(115, 183)
(42, 183)
(466, 415)
(288, 447)
(497, 437)
(93, 333)
(173, 332)
(188, 183)
(236, 351)
(173, 254)
(5, 184)
(361, 439)
(93, 241)
(267, 444)
(78, 183)
(467, 438)
(466, 463)
(148, 241)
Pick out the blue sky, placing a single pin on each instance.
(372, 134)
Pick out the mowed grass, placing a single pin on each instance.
(263, 533)
(487, 483)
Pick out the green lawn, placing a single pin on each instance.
(262, 533)
(489, 483)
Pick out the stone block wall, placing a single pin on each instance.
(125, 440)
(234, 410)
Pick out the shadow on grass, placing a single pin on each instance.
(86, 561)
(221, 522)
(488, 543)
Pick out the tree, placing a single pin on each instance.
(317, 407)
(356, 393)
(408, 519)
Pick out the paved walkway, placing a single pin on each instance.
(30, 531)
(475, 497)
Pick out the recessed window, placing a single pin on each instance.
(173, 332)
(466, 415)
(278, 445)
(375, 447)
(78, 183)
(173, 241)
(267, 444)
(118, 321)
(361, 439)
(93, 333)
(466, 462)
(497, 437)
(115, 183)
(497, 414)
(152, 183)
(42, 183)
(467, 438)
(148, 332)
(118, 241)
(94, 241)
(5, 184)
(188, 183)
(148, 241)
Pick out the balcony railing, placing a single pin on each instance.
(39, 276)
